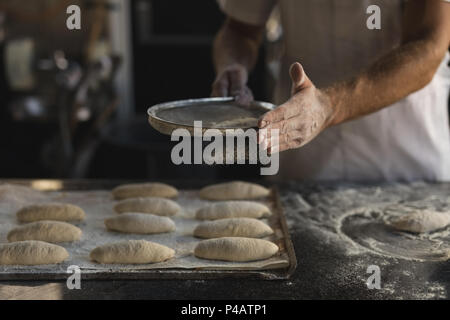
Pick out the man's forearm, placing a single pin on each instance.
(410, 67)
(404, 70)
(390, 79)
(310, 110)
(236, 44)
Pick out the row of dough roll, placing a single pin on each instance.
(33, 243)
(234, 222)
(144, 209)
(235, 190)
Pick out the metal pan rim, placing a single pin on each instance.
(189, 102)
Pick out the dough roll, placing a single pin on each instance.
(141, 223)
(236, 190)
(234, 227)
(421, 221)
(158, 206)
(136, 190)
(31, 253)
(235, 249)
(132, 252)
(233, 209)
(50, 211)
(48, 231)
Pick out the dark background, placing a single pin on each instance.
(171, 45)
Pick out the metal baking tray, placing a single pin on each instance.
(215, 113)
(85, 185)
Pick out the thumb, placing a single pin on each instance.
(300, 80)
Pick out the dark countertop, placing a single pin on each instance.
(330, 266)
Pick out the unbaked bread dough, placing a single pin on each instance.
(237, 190)
(31, 252)
(50, 211)
(158, 206)
(234, 227)
(235, 249)
(48, 231)
(141, 223)
(421, 221)
(136, 190)
(132, 252)
(233, 209)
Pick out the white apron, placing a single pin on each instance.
(407, 141)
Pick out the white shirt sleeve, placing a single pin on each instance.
(254, 12)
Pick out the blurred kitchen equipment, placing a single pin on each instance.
(84, 106)
(58, 90)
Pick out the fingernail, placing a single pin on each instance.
(263, 123)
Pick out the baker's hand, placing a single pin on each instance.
(300, 119)
(232, 82)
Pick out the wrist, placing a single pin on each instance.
(235, 66)
(330, 101)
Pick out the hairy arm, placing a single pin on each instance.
(401, 72)
(235, 52)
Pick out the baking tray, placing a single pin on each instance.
(215, 113)
(86, 185)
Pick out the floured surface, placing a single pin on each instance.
(98, 206)
(356, 220)
(369, 226)
(328, 221)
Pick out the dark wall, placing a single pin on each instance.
(172, 44)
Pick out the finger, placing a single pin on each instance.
(269, 135)
(271, 141)
(293, 135)
(283, 132)
(285, 126)
(288, 110)
(245, 97)
(263, 138)
(237, 80)
(275, 115)
(284, 146)
(262, 134)
(220, 87)
(278, 148)
(300, 80)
